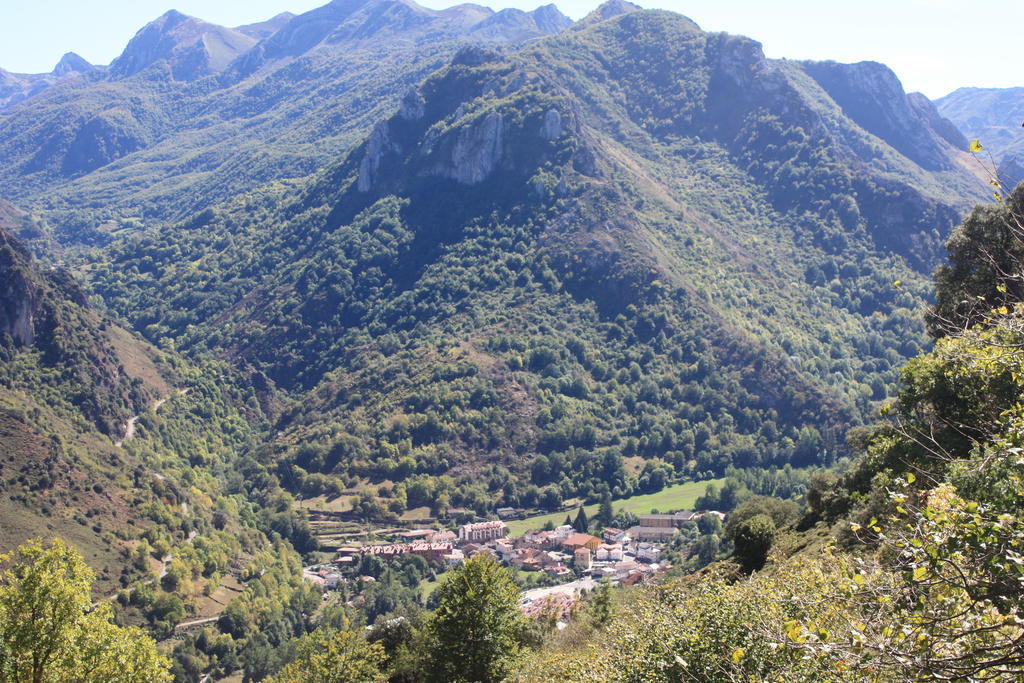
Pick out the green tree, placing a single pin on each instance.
(605, 513)
(582, 524)
(753, 538)
(51, 631)
(600, 607)
(334, 656)
(477, 627)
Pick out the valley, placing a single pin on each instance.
(306, 323)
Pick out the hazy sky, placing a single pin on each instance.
(934, 46)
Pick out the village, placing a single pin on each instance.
(573, 562)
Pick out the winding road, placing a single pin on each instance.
(129, 428)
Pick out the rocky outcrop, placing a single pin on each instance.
(552, 128)
(19, 295)
(377, 146)
(477, 151)
(871, 95)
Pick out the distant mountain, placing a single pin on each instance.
(995, 116)
(633, 239)
(15, 88)
(189, 48)
(265, 29)
(191, 113)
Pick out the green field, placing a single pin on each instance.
(679, 497)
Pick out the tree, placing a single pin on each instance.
(605, 513)
(50, 630)
(753, 538)
(600, 607)
(582, 524)
(477, 627)
(334, 656)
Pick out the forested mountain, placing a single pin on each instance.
(632, 239)
(994, 116)
(428, 259)
(192, 113)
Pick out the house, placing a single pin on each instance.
(575, 541)
(431, 551)
(504, 549)
(442, 536)
(647, 552)
(505, 513)
(612, 535)
(416, 535)
(454, 558)
(581, 558)
(558, 572)
(481, 532)
(658, 534)
(609, 552)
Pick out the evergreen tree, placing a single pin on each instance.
(605, 513)
(477, 627)
(601, 605)
(581, 524)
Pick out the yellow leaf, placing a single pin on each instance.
(976, 146)
(737, 655)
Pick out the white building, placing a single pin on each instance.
(609, 552)
(482, 532)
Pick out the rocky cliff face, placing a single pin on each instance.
(871, 94)
(19, 295)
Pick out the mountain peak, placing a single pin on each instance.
(610, 9)
(190, 46)
(72, 63)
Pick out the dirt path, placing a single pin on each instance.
(129, 428)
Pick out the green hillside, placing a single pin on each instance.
(537, 255)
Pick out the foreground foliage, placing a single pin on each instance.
(51, 631)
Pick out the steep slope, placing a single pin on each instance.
(631, 240)
(192, 114)
(161, 510)
(994, 116)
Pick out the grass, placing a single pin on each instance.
(678, 497)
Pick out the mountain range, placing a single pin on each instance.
(191, 113)
(400, 259)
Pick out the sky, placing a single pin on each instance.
(934, 46)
